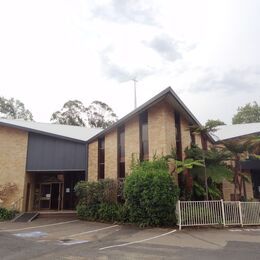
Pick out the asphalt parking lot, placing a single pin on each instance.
(75, 239)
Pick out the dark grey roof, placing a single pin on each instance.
(75, 133)
(171, 98)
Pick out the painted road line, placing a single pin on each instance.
(72, 242)
(33, 234)
(48, 225)
(91, 231)
(138, 241)
(245, 229)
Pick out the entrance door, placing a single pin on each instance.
(51, 196)
(56, 196)
(45, 196)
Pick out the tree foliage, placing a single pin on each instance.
(211, 123)
(72, 113)
(215, 164)
(100, 115)
(14, 109)
(250, 113)
(206, 179)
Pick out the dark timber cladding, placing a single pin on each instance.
(46, 153)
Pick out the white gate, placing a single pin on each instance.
(218, 212)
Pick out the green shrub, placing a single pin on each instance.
(109, 212)
(97, 200)
(148, 199)
(6, 214)
(87, 212)
(97, 192)
(150, 194)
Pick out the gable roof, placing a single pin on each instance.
(171, 97)
(74, 133)
(225, 132)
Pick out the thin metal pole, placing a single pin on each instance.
(134, 80)
(179, 213)
(223, 212)
(240, 214)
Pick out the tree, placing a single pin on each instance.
(73, 112)
(211, 123)
(14, 109)
(100, 115)
(238, 149)
(207, 178)
(250, 113)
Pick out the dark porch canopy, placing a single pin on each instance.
(250, 165)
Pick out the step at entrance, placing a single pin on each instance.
(26, 217)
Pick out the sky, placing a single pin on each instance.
(53, 51)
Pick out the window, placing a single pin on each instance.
(204, 141)
(192, 137)
(144, 144)
(178, 135)
(121, 152)
(101, 158)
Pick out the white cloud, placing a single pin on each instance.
(54, 50)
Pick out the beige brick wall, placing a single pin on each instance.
(198, 140)
(111, 155)
(161, 130)
(228, 189)
(185, 135)
(132, 142)
(13, 152)
(93, 161)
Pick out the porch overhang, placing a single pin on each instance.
(250, 165)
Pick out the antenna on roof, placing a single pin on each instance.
(135, 99)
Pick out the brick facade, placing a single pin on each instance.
(13, 147)
(132, 142)
(161, 135)
(228, 189)
(161, 130)
(93, 161)
(111, 155)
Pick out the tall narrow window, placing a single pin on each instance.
(204, 141)
(101, 158)
(192, 137)
(178, 135)
(121, 152)
(144, 144)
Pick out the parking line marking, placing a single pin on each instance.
(138, 241)
(91, 231)
(48, 225)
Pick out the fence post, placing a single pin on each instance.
(240, 213)
(179, 213)
(223, 212)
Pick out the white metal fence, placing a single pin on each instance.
(218, 212)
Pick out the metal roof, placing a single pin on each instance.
(90, 134)
(225, 132)
(75, 133)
